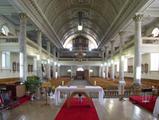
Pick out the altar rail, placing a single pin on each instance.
(128, 92)
(114, 93)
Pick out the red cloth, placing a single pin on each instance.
(139, 101)
(77, 111)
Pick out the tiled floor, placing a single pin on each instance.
(113, 109)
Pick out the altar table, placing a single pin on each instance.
(70, 89)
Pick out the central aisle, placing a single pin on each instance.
(79, 82)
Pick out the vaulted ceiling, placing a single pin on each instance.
(101, 18)
(102, 21)
(63, 16)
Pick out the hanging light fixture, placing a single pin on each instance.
(80, 26)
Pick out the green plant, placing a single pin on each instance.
(32, 83)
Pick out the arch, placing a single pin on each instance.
(155, 32)
(96, 26)
(77, 33)
(74, 28)
(82, 33)
(5, 29)
(67, 41)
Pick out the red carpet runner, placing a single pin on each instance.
(77, 111)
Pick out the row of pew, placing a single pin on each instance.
(111, 86)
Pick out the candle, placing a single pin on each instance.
(94, 82)
(62, 82)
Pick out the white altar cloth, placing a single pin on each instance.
(87, 89)
(156, 108)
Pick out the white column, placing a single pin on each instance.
(121, 62)
(112, 62)
(121, 66)
(100, 70)
(35, 65)
(49, 62)
(58, 56)
(103, 67)
(103, 71)
(58, 70)
(39, 67)
(71, 73)
(55, 70)
(55, 64)
(88, 72)
(137, 56)
(52, 64)
(22, 48)
(106, 59)
(106, 71)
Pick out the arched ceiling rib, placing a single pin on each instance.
(89, 13)
(63, 14)
(75, 34)
(87, 30)
(105, 16)
(86, 24)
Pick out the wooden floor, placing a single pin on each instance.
(112, 109)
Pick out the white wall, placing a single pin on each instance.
(150, 75)
(95, 71)
(63, 71)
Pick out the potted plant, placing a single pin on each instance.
(32, 85)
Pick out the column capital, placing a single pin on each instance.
(103, 48)
(23, 16)
(138, 17)
(106, 46)
(121, 33)
(38, 31)
(112, 42)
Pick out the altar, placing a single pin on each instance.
(70, 89)
(156, 108)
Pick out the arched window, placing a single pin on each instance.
(91, 44)
(155, 32)
(5, 30)
(91, 71)
(69, 70)
(5, 59)
(80, 69)
(154, 61)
